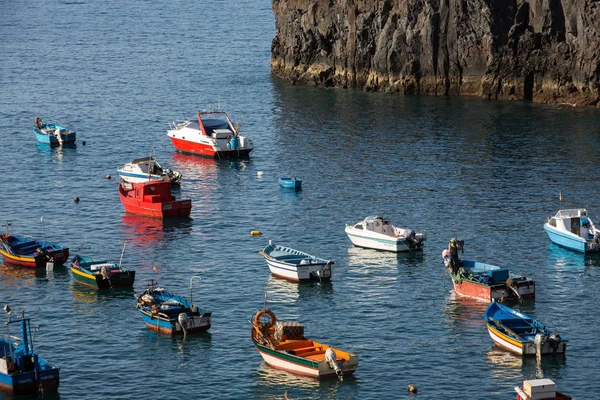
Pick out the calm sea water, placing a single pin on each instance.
(489, 172)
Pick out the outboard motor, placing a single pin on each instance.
(183, 320)
(539, 341)
(554, 341)
(330, 357)
(511, 285)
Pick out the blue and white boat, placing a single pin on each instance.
(295, 265)
(172, 314)
(573, 229)
(290, 183)
(53, 133)
(22, 369)
(147, 169)
(520, 334)
(377, 233)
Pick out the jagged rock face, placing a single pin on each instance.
(542, 50)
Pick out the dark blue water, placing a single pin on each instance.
(489, 172)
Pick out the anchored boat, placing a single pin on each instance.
(171, 314)
(520, 334)
(282, 345)
(377, 233)
(296, 265)
(212, 134)
(29, 252)
(22, 369)
(290, 183)
(484, 281)
(53, 133)
(101, 274)
(573, 229)
(153, 198)
(147, 169)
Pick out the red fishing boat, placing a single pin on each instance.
(153, 198)
(212, 134)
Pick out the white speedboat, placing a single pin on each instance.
(573, 229)
(147, 169)
(212, 134)
(377, 233)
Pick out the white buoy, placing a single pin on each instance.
(260, 174)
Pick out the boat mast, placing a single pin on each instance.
(122, 251)
(191, 287)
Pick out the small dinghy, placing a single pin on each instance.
(282, 345)
(290, 183)
(573, 229)
(53, 133)
(28, 252)
(101, 274)
(171, 314)
(484, 281)
(377, 233)
(520, 334)
(296, 265)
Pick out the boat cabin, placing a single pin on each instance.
(216, 125)
(574, 220)
(151, 192)
(382, 226)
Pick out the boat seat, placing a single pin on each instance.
(25, 250)
(311, 353)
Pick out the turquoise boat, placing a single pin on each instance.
(573, 229)
(53, 133)
(290, 183)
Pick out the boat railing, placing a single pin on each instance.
(13, 339)
(572, 212)
(178, 124)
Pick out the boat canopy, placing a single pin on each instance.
(571, 212)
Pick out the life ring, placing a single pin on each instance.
(265, 325)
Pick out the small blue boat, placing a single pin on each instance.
(573, 229)
(53, 133)
(290, 183)
(171, 314)
(22, 370)
(520, 334)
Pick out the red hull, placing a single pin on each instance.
(153, 199)
(58, 257)
(486, 292)
(186, 146)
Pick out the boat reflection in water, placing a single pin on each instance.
(280, 289)
(564, 259)
(274, 383)
(85, 295)
(191, 348)
(9, 272)
(146, 232)
(464, 313)
(362, 257)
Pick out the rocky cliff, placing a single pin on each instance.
(542, 50)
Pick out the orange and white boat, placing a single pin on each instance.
(283, 346)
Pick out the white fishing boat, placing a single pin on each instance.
(573, 229)
(377, 233)
(147, 169)
(296, 265)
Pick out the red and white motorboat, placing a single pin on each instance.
(153, 198)
(212, 134)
